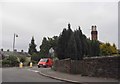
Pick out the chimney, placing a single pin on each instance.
(94, 33)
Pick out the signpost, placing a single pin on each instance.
(51, 51)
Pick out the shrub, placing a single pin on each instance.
(22, 59)
(35, 57)
(10, 61)
(13, 60)
(5, 62)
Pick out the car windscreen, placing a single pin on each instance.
(43, 60)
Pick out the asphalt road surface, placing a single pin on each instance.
(27, 76)
(23, 75)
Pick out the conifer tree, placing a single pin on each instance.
(72, 48)
(63, 40)
(44, 47)
(32, 47)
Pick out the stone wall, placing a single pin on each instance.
(98, 67)
(62, 65)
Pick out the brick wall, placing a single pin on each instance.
(98, 67)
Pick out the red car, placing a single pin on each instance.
(45, 62)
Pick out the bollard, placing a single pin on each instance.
(30, 64)
(21, 65)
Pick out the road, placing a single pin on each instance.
(26, 75)
(23, 75)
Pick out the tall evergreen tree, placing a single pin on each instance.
(81, 43)
(68, 38)
(72, 48)
(95, 48)
(72, 44)
(44, 47)
(75, 45)
(32, 47)
(63, 43)
(85, 45)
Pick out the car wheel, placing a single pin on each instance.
(38, 66)
(45, 66)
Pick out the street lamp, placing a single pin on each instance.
(15, 35)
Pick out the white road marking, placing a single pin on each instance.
(33, 70)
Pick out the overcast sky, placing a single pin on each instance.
(47, 19)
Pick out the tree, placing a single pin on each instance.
(108, 49)
(92, 48)
(61, 45)
(72, 44)
(47, 43)
(89, 48)
(35, 57)
(72, 48)
(85, 45)
(53, 42)
(63, 40)
(68, 37)
(79, 43)
(95, 50)
(114, 49)
(44, 48)
(32, 47)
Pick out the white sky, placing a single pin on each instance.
(47, 19)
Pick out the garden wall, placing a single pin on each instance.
(98, 67)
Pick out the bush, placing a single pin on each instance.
(22, 59)
(10, 61)
(35, 57)
(34, 62)
(13, 60)
(5, 62)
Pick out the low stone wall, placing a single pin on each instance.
(62, 65)
(98, 67)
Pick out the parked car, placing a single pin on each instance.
(45, 62)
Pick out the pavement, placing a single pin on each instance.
(48, 72)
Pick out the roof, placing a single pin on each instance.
(6, 53)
